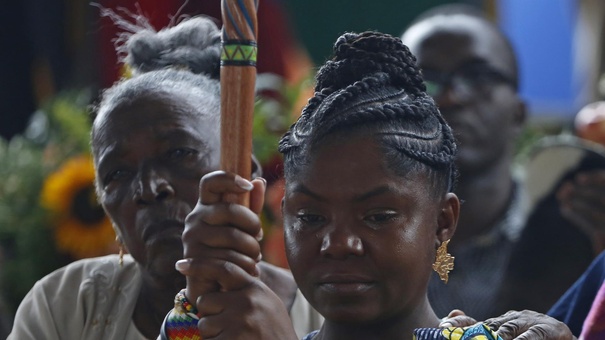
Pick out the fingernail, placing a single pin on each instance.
(259, 258)
(243, 183)
(262, 179)
(260, 235)
(183, 265)
(446, 325)
(256, 271)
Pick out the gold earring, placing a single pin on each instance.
(444, 263)
(121, 253)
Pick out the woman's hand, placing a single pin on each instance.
(529, 325)
(220, 237)
(253, 312)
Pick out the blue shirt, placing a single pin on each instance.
(574, 305)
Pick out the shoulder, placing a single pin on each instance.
(84, 281)
(101, 271)
(78, 297)
(304, 317)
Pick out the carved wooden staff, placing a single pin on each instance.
(238, 77)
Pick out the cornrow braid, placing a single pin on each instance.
(372, 82)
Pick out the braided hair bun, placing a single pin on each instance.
(357, 56)
(372, 83)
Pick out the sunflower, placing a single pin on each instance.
(81, 227)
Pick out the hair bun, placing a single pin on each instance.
(358, 56)
(193, 44)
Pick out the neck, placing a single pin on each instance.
(486, 197)
(398, 327)
(154, 302)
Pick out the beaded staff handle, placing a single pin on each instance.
(238, 77)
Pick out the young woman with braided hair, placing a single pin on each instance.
(368, 212)
(368, 206)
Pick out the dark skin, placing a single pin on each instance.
(486, 126)
(360, 242)
(150, 155)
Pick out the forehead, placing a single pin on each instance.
(446, 43)
(158, 116)
(347, 165)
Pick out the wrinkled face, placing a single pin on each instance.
(149, 157)
(474, 68)
(360, 240)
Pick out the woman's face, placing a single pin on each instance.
(150, 155)
(361, 240)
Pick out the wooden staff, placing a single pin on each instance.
(238, 77)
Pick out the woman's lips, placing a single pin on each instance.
(163, 230)
(346, 287)
(346, 283)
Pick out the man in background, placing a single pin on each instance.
(506, 257)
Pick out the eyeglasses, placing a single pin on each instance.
(466, 82)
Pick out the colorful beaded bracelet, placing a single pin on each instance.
(476, 332)
(181, 321)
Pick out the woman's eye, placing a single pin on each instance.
(115, 175)
(310, 218)
(382, 217)
(180, 153)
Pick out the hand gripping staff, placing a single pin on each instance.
(238, 78)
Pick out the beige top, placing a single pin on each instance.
(95, 298)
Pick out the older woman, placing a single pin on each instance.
(153, 138)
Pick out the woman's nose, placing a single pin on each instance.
(152, 188)
(340, 242)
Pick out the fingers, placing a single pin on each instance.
(253, 312)
(189, 266)
(457, 318)
(218, 183)
(495, 323)
(228, 275)
(529, 325)
(455, 312)
(219, 240)
(223, 214)
(219, 187)
(257, 195)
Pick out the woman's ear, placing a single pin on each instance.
(257, 170)
(448, 217)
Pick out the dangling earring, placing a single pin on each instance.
(121, 253)
(444, 263)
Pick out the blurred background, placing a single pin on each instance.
(58, 54)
